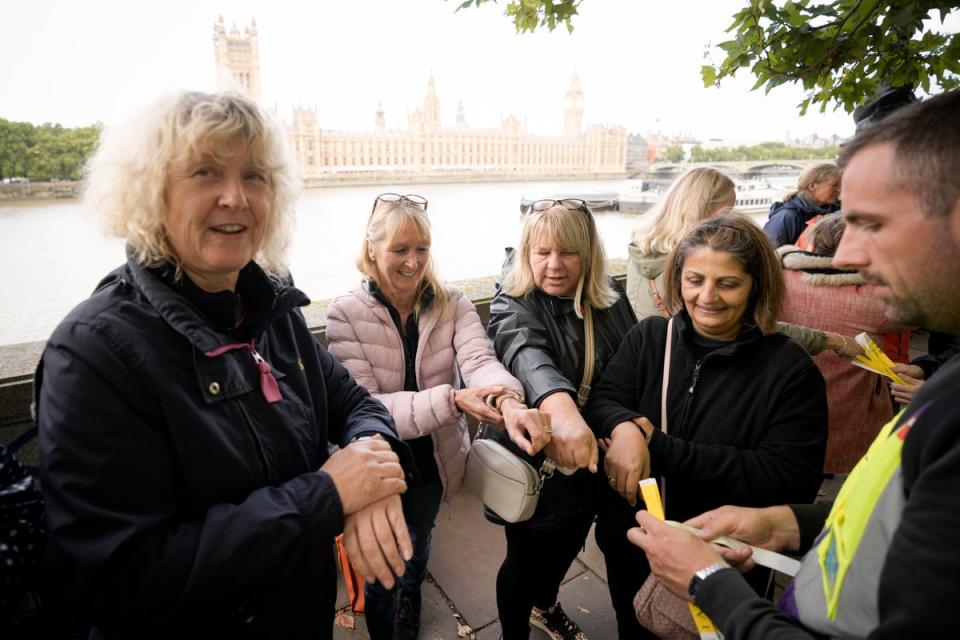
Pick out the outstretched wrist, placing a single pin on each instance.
(503, 398)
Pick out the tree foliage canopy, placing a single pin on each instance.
(841, 52)
(529, 15)
(45, 152)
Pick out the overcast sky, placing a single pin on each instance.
(639, 63)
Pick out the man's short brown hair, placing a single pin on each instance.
(926, 139)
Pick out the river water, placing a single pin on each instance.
(52, 254)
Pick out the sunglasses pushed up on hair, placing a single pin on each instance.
(573, 204)
(412, 198)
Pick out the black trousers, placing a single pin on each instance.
(531, 574)
(626, 563)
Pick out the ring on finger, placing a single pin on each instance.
(612, 479)
(547, 429)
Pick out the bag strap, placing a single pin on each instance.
(657, 299)
(663, 400)
(589, 356)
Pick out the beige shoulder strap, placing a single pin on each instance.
(589, 355)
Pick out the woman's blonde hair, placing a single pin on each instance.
(737, 235)
(126, 178)
(573, 230)
(814, 175)
(694, 196)
(387, 220)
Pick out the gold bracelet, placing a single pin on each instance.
(506, 395)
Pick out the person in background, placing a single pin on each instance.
(694, 197)
(882, 560)
(829, 298)
(746, 408)
(556, 281)
(405, 336)
(186, 412)
(942, 347)
(817, 194)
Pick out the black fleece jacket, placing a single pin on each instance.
(747, 423)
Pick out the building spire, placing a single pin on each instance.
(573, 108)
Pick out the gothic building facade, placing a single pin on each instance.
(426, 149)
(237, 57)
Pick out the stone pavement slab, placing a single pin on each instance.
(462, 575)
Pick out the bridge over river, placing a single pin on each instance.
(743, 169)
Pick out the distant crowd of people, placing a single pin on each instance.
(201, 450)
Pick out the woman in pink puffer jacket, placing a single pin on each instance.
(411, 341)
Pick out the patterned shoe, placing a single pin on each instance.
(555, 623)
(408, 615)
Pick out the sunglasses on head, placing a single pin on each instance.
(412, 198)
(573, 204)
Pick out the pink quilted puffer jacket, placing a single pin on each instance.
(362, 336)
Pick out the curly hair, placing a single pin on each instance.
(126, 177)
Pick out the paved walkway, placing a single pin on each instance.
(459, 595)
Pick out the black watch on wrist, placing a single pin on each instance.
(702, 575)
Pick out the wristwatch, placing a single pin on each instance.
(702, 575)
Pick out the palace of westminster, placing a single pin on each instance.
(427, 149)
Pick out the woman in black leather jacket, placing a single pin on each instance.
(537, 326)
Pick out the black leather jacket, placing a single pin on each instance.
(539, 338)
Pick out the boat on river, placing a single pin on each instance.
(633, 197)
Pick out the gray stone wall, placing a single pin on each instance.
(18, 361)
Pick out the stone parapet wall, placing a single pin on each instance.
(19, 361)
(40, 190)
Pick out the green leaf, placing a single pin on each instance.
(709, 74)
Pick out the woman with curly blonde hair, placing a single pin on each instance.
(186, 413)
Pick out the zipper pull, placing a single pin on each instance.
(696, 376)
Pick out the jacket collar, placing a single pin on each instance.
(273, 298)
(817, 269)
(426, 295)
(748, 337)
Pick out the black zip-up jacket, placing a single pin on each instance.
(186, 503)
(539, 339)
(747, 424)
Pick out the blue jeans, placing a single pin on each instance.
(420, 506)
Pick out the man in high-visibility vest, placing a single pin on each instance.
(884, 560)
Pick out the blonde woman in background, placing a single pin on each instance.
(695, 196)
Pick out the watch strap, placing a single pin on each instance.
(702, 575)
